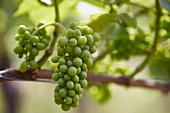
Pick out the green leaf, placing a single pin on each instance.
(126, 19)
(45, 2)
(165, 4)
(94, 2)
(100, 21)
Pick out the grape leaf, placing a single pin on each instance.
(165, 4)
(100, 21)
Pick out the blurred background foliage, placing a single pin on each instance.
(127, 29)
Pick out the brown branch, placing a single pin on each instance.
(39, 75)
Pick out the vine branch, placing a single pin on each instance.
(45, 75)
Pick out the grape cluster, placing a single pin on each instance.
(30, 41)
(74, 57)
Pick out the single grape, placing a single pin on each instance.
(88, 62)
(77, 62)
(80, 91)
(82, 40)
(34, 39)
(75, 79)
(84, 67)
(62, 61)
(76, 50)
(96, 37)
(70, 84)
(77, 33)
(47, 37)
(85, 30)
(63, 68)
(55, 76)
(72, 42)
(77, 86)
(71, 92)
(83, 83)
(41, 23)
(55, 59)
(45, 41)
(86, 47)
(74, 104)
(90, 39)
(73, 25)
(60, 51)
(42, 32)
(26, 35)
(62, 41)
(28, 47)
(78, 70)
(67, 77)
(93, 49)
(40, 46)
(70, 33)
(33, 64)
(61, 82)
(69, 49)
(69, 63)
(61, 75)
(72, 71)
(57, 88)
(19, 50)
(76, 98)
(85, 54)
(59, 101)
(68, 100)
(17, 37)
(57, 96)
(83, 75)
(65, 106)
(63, 92)
(23, 67)
(34, 52)
(22, 29)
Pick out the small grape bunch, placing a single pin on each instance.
(30, 41)
(74, 58)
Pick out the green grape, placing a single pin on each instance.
(77, 33)
(68, 49)
(62, 61)
(77, 86)
(69, 63)
(61, 82)
(76, 98)
(45, 41)
(80, 96)
(33, 64)
(42, 32)
(41, 23)
(68, 100)
(76, 51)
(78, 27)
(88, 62)
(86, 47)
(71, 92)
(55, 59)
(60, 51)
(34, 52)
(26, 35)
(84, 67)
(31, 29)
(63, 68)
(55, 76)
(70, 84)
(17, 37)
(82, 40)
(72, 71)
(73, 25)
(57, 96)
(83, 83)
(20, 55)
(61, 75)
(28, 47)
(19, 50)
(75, 79)
(77, 62)
(67, 77)
(83, 75)
(47, 37)
(78, 70)
(80, 91)
(70, 33)
(85, 54)
(34, 39)
(40, 46)
(57, 88)
(62, 41)
(23, 67)
(22, 29)
(65, 106)
(93, 49)
(74, 104)
(85, 30)
(72, 42)
(90, 40)
(59, 101)
(96, 37)
(63, 92)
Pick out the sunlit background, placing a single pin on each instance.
(37, 97)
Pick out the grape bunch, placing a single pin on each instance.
(74, 58)
(30, 41)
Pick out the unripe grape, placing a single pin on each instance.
(78, 27)
(72, 71)
(75, 79)
(42, 32)
(68, 49)
(84, 67)
(83, 75)
(57, 96)
(34, 39)
(80, 91)
(57, 88)
(26, 35)
(59, 101)
(90, 39)
(19, 50)
(74, 104)
(70, 33)
(72, 42)
(61, 75)
(41, 23)
(82, 40)
(83, 83)
(76, 51)
(85, 30)
(22, 29)
(69, 63)
(62, 61)
(67, 77)
(61, 82)
(77, 62)
(76, 98)
(31, 29)
(65, 106)
(63, 92)
(93, 49)
(47, 37)
(88, 62)
(78, 70)
(80, 96)
(77, 86)
(70, 84)
(73, 25)
(23, 67)
(86, 47)
(85, 54)
(33, 64)
(55, 59)
(60, 51)
(63, 68)
(55, 76)
(45, 41)
(28, 47)
(77, 33)
(40, 46)
(34, 52)
(62, 41)
(96, 37)
(17, 37)
(68, 100)
(71, 92)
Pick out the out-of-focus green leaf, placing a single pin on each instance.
(165, 4)
(95, 2)
(45, 2)
(101, 21)
(126, 19)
